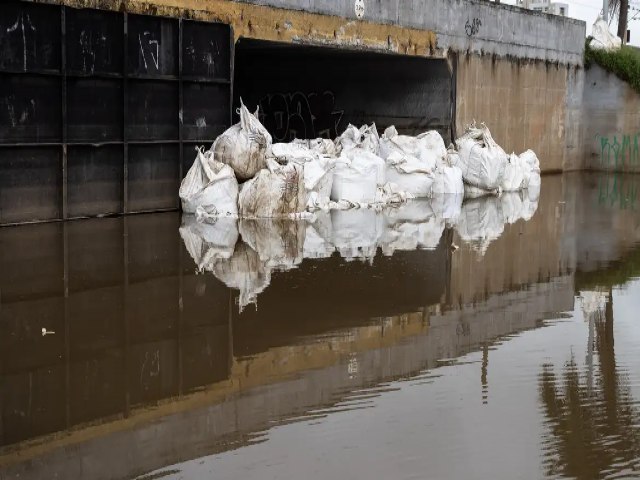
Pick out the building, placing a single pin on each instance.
(546, 6)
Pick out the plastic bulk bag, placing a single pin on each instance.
(293, 152)
(603, 39)
(427, 148)
(409, 174)
(275, 192)
(356, 232)
(354, 181)
(516, 174)
(210, 187)
(482, 161)
(530, 159)
(448, 176)
(318, 182)
(365, 137)
(243, 146)
(245, 272)
(323, 146)
(278, 242)
(209, 242)
(317, 239)
(480, 222)
(360, 156)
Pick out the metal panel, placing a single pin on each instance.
(153, 177)
(94, 180)
(30, 184)
(82, 80)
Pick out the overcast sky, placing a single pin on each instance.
(588, 10)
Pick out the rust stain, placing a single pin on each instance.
(276, 24)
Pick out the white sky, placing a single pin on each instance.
(588, 10)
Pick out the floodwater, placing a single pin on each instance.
(495, 339)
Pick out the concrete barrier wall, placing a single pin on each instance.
(611, 123)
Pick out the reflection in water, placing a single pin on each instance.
(594, 427)
(355, 234)
(379, 350)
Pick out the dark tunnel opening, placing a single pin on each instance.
(309, 92)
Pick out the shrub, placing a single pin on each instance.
(624, 63)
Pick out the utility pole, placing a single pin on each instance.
(605, 10)
(622, 20)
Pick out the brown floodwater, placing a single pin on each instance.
(497, 338)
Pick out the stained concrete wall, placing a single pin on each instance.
(466, 25)
(524, 103)
(611, 123)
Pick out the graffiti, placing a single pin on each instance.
(20, 25)
(616, 191)
(147, 46)
(297, 115)
(619, 150)
(473, 27)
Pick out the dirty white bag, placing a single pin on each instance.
(323, 146)
(275, 192)
(243, 146)
(354, 181)
(427, 148)
(244, 271)
(530, 159)
(516, 174)
(482, 160)
(209, 242)
(448, 175)
(210, 187)
(409, 174)
(293, 152)
(318, 181)
(356, 232)
(603, 39)
(363, 157)
(365, 137)
(278, 242)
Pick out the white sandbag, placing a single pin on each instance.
(531, 159)
(354, 181)
(365, 137)
(447, 180)
(323, 146)
(512, 206)
(243, 146)
(603, 39)
(482, 160)
(409, 174)
(362, 157)
(318, 179)
(480, 222)
(209, 242)
(391, 194)
(244, 271)
(278, 242)
(516, 174)
(209, 186)
(317, 239)
(275, 192)
(293, 152)
(356, 232)
(427, 148)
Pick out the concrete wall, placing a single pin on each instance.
(611, 123)
(524, 103)
(466, 25)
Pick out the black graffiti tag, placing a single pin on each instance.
(473, 27)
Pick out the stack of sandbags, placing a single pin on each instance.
(448, 175)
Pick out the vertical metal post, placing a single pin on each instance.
(63, 107)
(605, 10)
(180, 105)
(125, 114)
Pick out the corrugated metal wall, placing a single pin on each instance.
(100, 111)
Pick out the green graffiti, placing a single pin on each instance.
(619, 150)
(616, 191)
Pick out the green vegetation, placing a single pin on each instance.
(624, 63)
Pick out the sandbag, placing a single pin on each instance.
(409, 174)
(603, 39)
(209, 187)
(482, 161)
(365, 137)
(362, 157)
(354, 181)
(323, 146)
(530, 158)
(318, 181)
(516, 174)
(427, 148)
(243, 146)
(275, 192)
(292, 152)
(448, 175)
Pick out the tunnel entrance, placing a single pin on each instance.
(310, 92)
